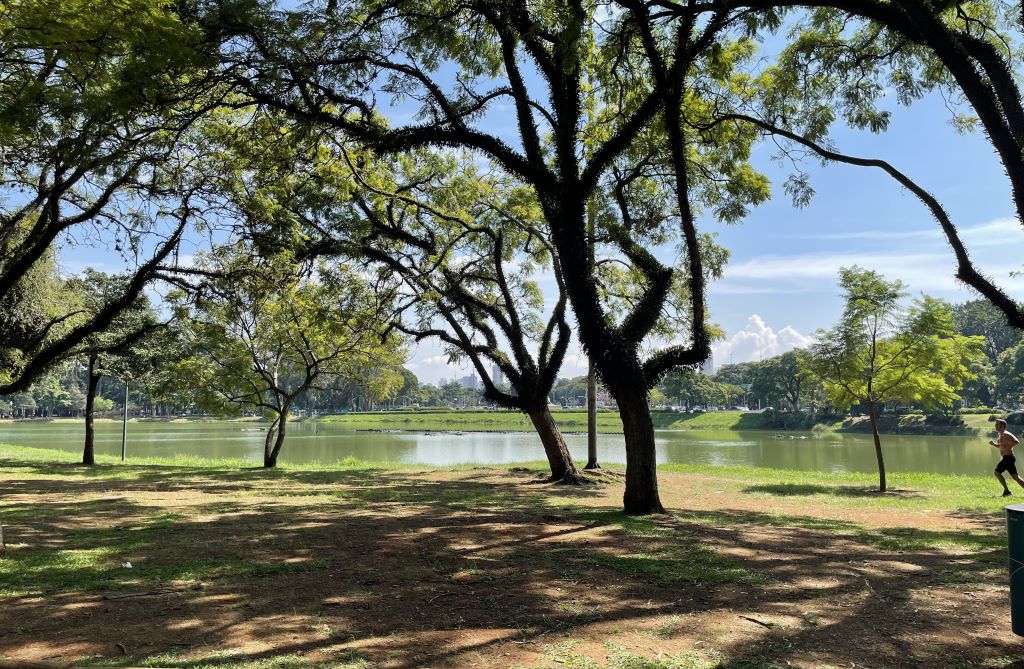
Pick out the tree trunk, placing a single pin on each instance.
(641, 496)
(592, 418)
(270, 458)
(562, 467)
(878, 445)
(89, 452)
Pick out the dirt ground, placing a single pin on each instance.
(487, 568)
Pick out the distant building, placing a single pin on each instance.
(469, 381)
(496, 375)
(707, 368)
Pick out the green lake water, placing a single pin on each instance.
(309, 442)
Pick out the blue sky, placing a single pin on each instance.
(780, 282)
(779, 285)
(784, 260)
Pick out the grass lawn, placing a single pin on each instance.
(361, 565)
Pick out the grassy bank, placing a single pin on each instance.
(364, 565)
(608, 422)
(568, 420)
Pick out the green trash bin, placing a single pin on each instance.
(1015, 549)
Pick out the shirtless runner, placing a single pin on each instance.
(1005, 445)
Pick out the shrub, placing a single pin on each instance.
(1015, 418)
(942, 420)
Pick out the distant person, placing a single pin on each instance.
(1005, 445)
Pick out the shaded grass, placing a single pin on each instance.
(668, 552)
(563, 655)
(666, 555)
(658, 554)
(233, 660)
(30, 572)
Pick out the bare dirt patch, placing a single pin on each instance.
(421, 568)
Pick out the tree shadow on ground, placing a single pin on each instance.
(802, 489)
(393, 567)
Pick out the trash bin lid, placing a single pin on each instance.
(1015, 508)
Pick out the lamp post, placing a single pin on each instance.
(124, 425)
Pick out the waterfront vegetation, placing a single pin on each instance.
(608, 421)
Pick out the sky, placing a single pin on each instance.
(779, 285)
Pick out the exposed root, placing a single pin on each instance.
(574, 477)
(604, 475)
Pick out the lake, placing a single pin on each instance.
(308, 442)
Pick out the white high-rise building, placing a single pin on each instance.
(707, 368)
(496, 375)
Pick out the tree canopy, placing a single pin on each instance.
(883, 350)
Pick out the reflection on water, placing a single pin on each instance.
(324, 443)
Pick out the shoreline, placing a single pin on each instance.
(570, 422)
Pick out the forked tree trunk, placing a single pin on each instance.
(89, 451)
(559, 460)
(878, 445)
(641, 496)
(271, 452)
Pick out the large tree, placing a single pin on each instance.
(882, 350)
(96, 99)
(597, 99)
(463, 248)
(469, 276)
(780, 381)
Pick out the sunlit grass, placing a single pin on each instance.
(910, 491)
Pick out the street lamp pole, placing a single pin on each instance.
(124, 425)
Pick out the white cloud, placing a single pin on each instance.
(756, 341)
(996, 232)
(928, 272)
(879, 234)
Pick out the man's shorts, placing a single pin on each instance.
(1008, 464)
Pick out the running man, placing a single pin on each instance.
(1005, 445)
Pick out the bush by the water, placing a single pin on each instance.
(1015, 418)
(794, 420)
(914, 423)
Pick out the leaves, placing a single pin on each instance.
(882, 350)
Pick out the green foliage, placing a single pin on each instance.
(979, 318)
(31, 313)
(693, 388)
(259, 338)
(881, 351)
(97, 97)
(1010, 380)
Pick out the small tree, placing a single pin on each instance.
(881, 351)
(117, 349)
(262, 339)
